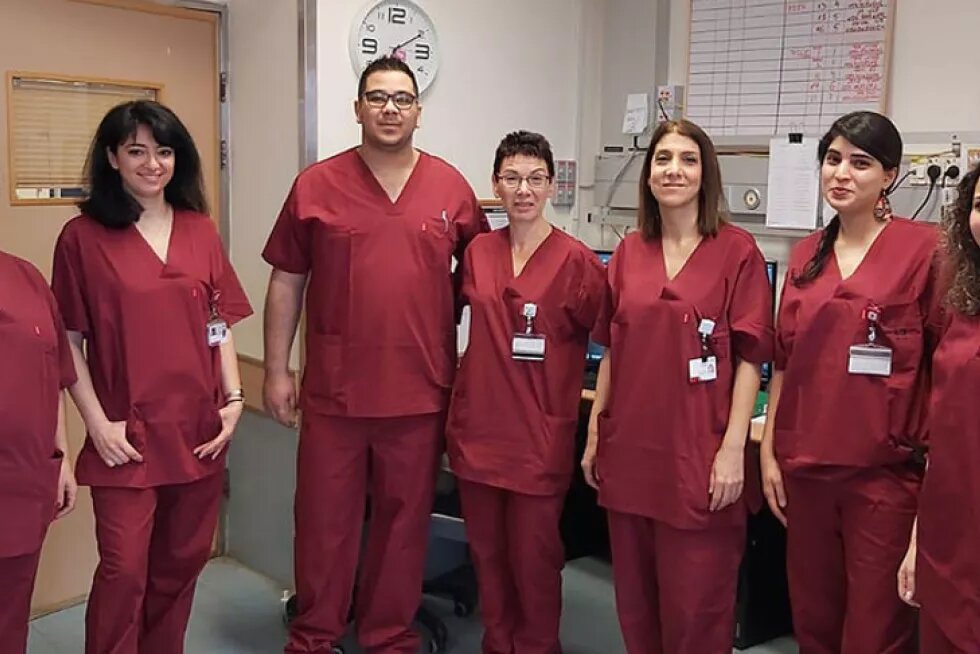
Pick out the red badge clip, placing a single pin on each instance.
(872, 313)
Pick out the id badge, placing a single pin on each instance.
(217, 332)
(528, 347)
(870, 359)
(702, 370)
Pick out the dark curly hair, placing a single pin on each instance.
(962, 251)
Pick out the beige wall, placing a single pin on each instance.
(264, 140)
(74, 38)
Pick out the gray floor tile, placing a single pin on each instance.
(37, 643)
(237, 611)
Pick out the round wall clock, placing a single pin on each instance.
(399, 28)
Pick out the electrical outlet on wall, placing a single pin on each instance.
(566, 176)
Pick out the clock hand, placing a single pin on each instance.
(402, 45)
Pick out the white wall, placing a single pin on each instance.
(932, 84)
(264, 90)
(629, 62)
(506, 65)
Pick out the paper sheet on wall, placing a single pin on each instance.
(794, 184)
(637, 113)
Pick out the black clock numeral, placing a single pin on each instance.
(422, 51)
(397, 15)
(369, 46)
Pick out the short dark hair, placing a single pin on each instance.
(386, 62)
(529, 144)
(711, 214)
(107, 201)
(876, 135)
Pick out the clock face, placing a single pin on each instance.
(399, 28)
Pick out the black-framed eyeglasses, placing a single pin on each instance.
(513, 181)
(379, 99)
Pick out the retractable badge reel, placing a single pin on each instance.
(705, 367)
(217, 328)
(528, 346)
(870, 358)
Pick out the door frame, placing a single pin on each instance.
(220, 11)
(215, 12)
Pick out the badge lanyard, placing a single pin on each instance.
(528, 346)
(705, 367)
(217, 328)
(870, 358)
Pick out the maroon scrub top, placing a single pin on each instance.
(36, 365)
(659, 433)
(948, 569)
(511, 422)
(380, 338)
(826, 416)
(145, 325)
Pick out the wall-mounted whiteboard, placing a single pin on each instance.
(765, 67)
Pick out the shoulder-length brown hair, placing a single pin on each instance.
(711, 212)
(962, 251)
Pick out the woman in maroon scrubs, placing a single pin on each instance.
(688, 323)
(534, 292)
(36, 480)
(847, 398)
(945, 576)
(148, 297)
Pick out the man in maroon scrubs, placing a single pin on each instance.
(36, 481)
(374, 230)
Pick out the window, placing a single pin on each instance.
(51, 122)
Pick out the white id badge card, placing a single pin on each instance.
(217, 332)
(702, 370)
(528, 347)
(870, 360)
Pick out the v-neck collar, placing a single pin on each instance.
(396, 205)
(514, 275)
(867, 253)
(168, 255)
(684, 266)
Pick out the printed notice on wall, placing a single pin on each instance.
(794, 184)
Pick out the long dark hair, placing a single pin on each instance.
(962, 251)
(876, 135)
(711, 215)
(108, 202)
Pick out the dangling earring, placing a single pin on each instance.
(883, 208)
